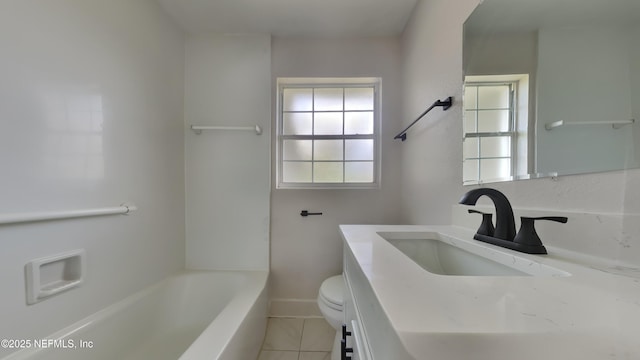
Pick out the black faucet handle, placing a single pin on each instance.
(486, 227)
(528, 237)
(560, 219)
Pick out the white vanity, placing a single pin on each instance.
(432, 292)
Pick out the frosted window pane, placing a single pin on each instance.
(495, 169)
(359, 149)
(493, 97)
(327, 172)
(496, 146)
(297, 123)
(470, 121)
(326, 134)
(297, 100)
(296, 171)
(470, 170)
(358, 123)
(470, 148)
(327, 123)
(327, 150)
(358, 99)
(327, 99)
(296, 150)
(469, 97)
(358, 172)
(493, 120)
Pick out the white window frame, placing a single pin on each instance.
(518, 122)
(283, 83)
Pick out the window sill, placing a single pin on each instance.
(327, 186)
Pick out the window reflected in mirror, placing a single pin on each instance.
(495, 127)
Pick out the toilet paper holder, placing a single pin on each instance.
(307, 213)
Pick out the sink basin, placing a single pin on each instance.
(442, 255)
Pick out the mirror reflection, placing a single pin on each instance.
(551, 87)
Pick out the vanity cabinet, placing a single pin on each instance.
(372, 336)
(355, 336)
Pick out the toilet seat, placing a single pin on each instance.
(323, 301)
(332, 292)
(331, 302)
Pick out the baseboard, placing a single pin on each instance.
(300, 308)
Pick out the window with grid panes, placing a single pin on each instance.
(328, 133)
(489, 131)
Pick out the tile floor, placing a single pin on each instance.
(297, 339)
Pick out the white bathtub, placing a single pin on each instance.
(195, 315)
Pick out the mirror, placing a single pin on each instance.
(551, 87)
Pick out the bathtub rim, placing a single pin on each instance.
(215, 336)
(254, 278)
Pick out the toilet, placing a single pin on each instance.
(330, 302)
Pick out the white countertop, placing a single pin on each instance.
(592, 314)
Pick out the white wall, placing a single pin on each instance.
(90, 116)
(305, 251)
(432, 69)
(432, 53)
(228, 82)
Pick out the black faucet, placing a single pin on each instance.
(505, 223)
(504, 234)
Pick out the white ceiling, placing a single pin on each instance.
(316, 18)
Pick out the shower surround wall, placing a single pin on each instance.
(228, 83)
(91, 108)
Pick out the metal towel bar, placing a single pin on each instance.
(198, 128)
(65, 214)
(616, 124)
(446, 104)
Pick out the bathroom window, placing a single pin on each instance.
(491, 131)
(328, 133)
